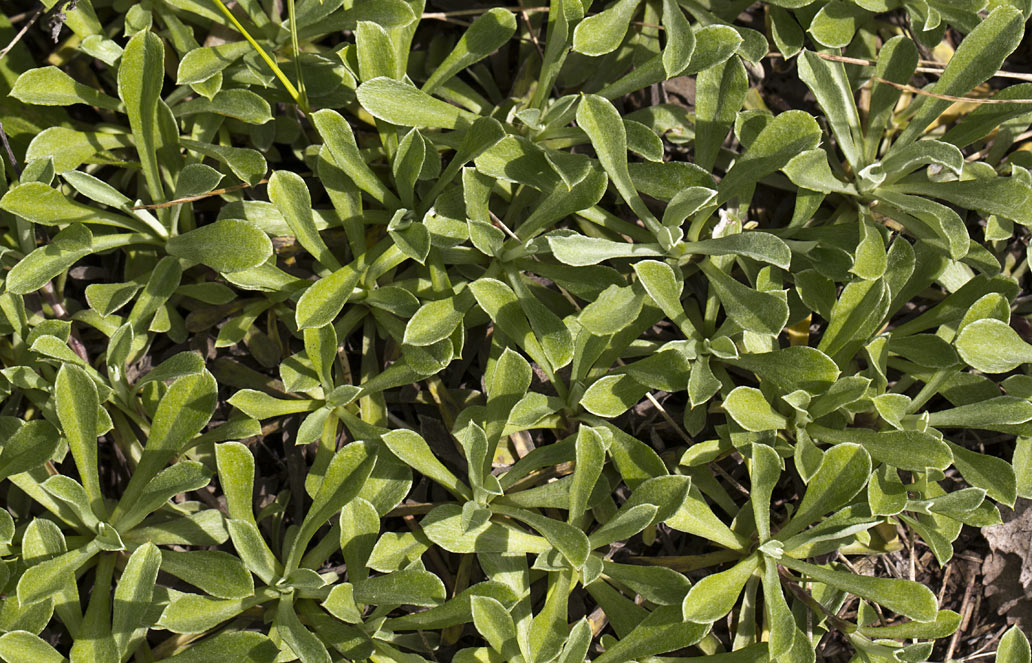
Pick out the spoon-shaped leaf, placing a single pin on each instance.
(906, 597)
(992, 346)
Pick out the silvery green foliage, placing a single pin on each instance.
(443, 273)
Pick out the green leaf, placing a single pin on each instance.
(661, 283)
(658, 584)
(347, 471)
(765, 473)
(217, 573)
(612, 395)
(870, 260)
(570, 541)
(25, 647)
(580, 251)
(784, 633)
(836, 23)
(661, 631)
(945, 624)
(184, 476)
(1006, 196)
(791, 368)
(680, 44)
(999, 411)
(907, 450)
(134, 594)
(829, 83)
(488, 32)
(1013, 647)
(751, 411)
(241, 646)
(502, 306)
(720, 94)
(50, 86)
(810, 170)
(182, 413)
(405, 105)
(625, 524)
(855, 316)
(614, 309)
(253, 550)
(340, 139)
(905, 597)
(437, 319)
(643, 141)
(994, 475)
(106, 298)
(324, 299)
(457, 610)
(713, 44)
(44, 579)
(64, 250)
(341, 603)
(978, 57)
(177, 366)
(227, 245)
(716, 595)
(193, 613)
(992, 346)
(200, 64)
(602, 33)
(236, 478)
(304, 643)
(760, 312)
(359, 525)
(374, 51)
(443, 526)
(45, 205)
(842, 474)
(405, 587)
(31, 445)
(782, 138)
(288, 192)
(77, 404)
(413, 450)
(495, 624)
(906, 159)
(141, 74)
(242, 105)
(760, 246)
(602, 123)
(71, 493)
(590, 455)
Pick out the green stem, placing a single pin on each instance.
(297, 57)
(291, 90)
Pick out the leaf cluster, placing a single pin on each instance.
(335, 335)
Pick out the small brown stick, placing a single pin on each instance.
(948, 97)
(443, 16)
(931, 70)
(965, 611)
(61, 312)
(7, 148)
(202, 196)
(945, 583)
(18, 18)
(530, 29)
(927, 66)
(21, 33)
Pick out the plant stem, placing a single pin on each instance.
(291, 90)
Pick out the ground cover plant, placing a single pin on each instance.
(379, 330)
